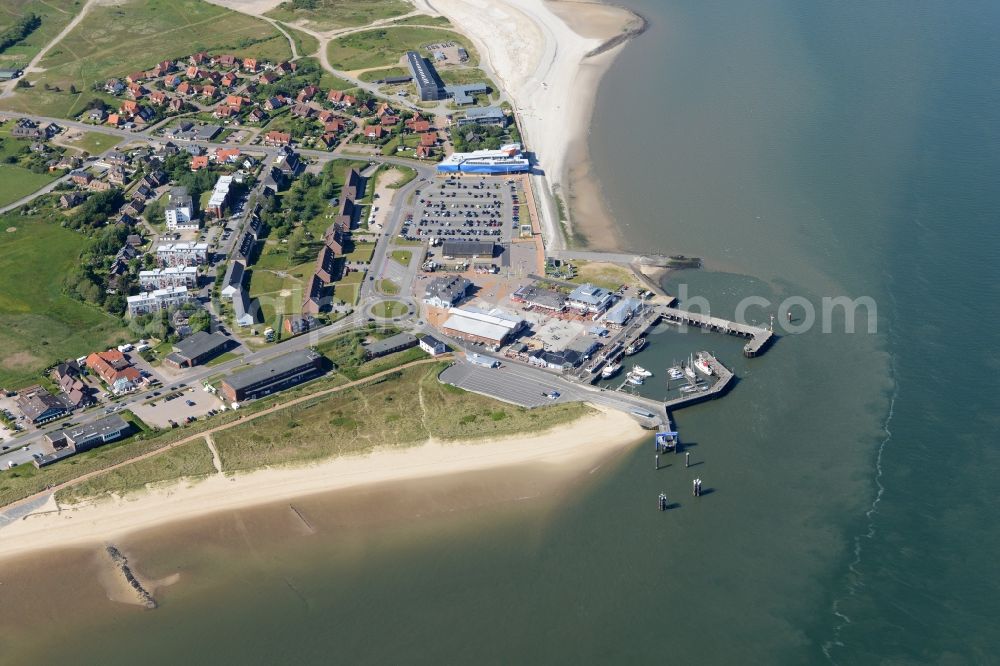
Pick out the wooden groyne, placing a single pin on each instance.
(121, 564)
(760, 337)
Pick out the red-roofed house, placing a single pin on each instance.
(429, 139)
(375, 132)
(114, 119)
(209, 91)
(228, 80)
(307, 93)
(199, 162)
(158, 97)
(226, 60)
(129, 108)
(234, 101)
(423, 152)
(227, 154)
(223, 111)
(275, 138)
(250, 64)
(267, 78)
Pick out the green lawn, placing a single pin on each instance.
(383, 47)
(116, 39)
(330, 14)
(94, 143)
(279, 294)
(361, 252)
(389, 309)
(401, 412)
(402, 257)
(42, 325)
(20, 182)
(389, 287)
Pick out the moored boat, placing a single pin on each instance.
(701, 364)
(635, 347)
(610, 370)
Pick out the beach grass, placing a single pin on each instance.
(185, 461)
(399, 412)
(114, 40)
(601, 274)
(41, 324)
(331, 14)
(384, 47)
(423, 19)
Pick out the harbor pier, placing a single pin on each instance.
(760, 337)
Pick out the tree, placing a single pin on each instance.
(295, 241)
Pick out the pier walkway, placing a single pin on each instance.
(722, 384)
(759, 336)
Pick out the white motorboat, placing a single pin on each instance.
(701, 364)
(610, 370)
(641, 371)
(635, 380)
(635, 347)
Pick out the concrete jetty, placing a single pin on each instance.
(722, 384)
(760, 337)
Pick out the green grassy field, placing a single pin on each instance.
(400, 412)
(54, 15)
(389, 287)
(279, 294)
(94, 143)
(330, 14)
(41, 325)
(186, 461)
(114, 40)
(384, 47)
(19, 182)
(305, 44)
(378, 74)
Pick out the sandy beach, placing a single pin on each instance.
(541, 54)
(572, 449)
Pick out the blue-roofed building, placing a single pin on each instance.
(621, 312)
(589, 298)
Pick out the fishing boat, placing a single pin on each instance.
(640, 371)
(635, 347)
(610, 370)
(701, 364)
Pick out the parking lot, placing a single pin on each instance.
(472, 208)
(176, 405)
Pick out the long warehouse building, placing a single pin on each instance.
(275, 375)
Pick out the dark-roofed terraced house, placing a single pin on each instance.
(197, 349)
(64, 443)
(267, 378)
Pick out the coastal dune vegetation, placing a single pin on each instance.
(394, 411)
(332, 14)
(384, 47)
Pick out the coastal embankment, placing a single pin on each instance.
(549, 57)
(569, 449)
